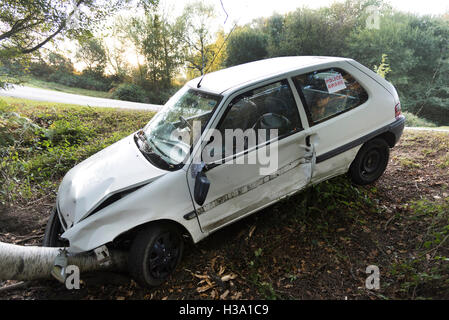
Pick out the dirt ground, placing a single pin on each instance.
(294, 249)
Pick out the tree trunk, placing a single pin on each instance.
(30, 263)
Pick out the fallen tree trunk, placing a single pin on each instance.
(31, 262)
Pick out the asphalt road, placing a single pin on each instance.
(427, 129)
(62, 97)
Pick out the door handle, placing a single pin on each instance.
(308, 140)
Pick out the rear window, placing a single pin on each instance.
(328, 93)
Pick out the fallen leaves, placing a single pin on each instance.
(213, 281)
(228, 277)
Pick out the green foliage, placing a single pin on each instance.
(417, 47)
(60, 70)
(412, 120)
(26, 26)
(70, 132)
(129, 92)
(245, 45)
(338, 193)
(158, 42)
(384, 68)
(15, 128)
(195, 33)
(92, 52)
(429, 270)
(418, 54)
(40, 142)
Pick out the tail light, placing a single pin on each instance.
(397, 110)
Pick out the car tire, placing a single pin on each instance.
(154, 254)
(370, 162)
(53, 231)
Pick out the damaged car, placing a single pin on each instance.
(226, 145)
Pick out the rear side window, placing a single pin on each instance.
(328, 93)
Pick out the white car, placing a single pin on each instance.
(223, 147)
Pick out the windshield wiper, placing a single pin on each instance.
(149, 151)
(185, 122)
(141, 136)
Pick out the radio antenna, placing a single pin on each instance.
(219, 50)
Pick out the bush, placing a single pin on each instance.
(40, 142)
(161, 96)
(16, 129)
(413, 121)
(67, 79)
(129, 92)
(71, 132)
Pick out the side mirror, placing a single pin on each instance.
(202, 185)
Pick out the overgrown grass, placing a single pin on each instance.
(40, 142)
(412, 120)
(36, 83)
(426, 272)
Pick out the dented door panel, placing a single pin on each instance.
(238, 189)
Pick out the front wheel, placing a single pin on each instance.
(154, 254)
(370, 162)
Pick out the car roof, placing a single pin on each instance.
(220, 81)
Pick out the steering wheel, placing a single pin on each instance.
(277, 122)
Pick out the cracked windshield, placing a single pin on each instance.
(170, 134)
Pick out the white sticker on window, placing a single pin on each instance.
(335, 83)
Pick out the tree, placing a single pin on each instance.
(30, 263)
(92, 52)
(157, 42)
(216, 56)
(28, 25)
(245, 45)
(196, 31)
(418, 52)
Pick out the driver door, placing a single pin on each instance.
(247, 173)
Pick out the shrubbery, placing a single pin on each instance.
(413, 121)
(129, 92)
(40, 143)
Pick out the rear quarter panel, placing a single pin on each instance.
(375, 113)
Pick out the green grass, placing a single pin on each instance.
(414, 121)
(40, 142)
(36, 83)
(428, 269)
(408, 163)
(27, 103)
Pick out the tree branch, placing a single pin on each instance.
(61, 27)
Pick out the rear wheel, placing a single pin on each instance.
(53, 231)
(370, 162)
(154, 254)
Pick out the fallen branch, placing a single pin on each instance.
(31, 262)
(28, 238)
(15, 286)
